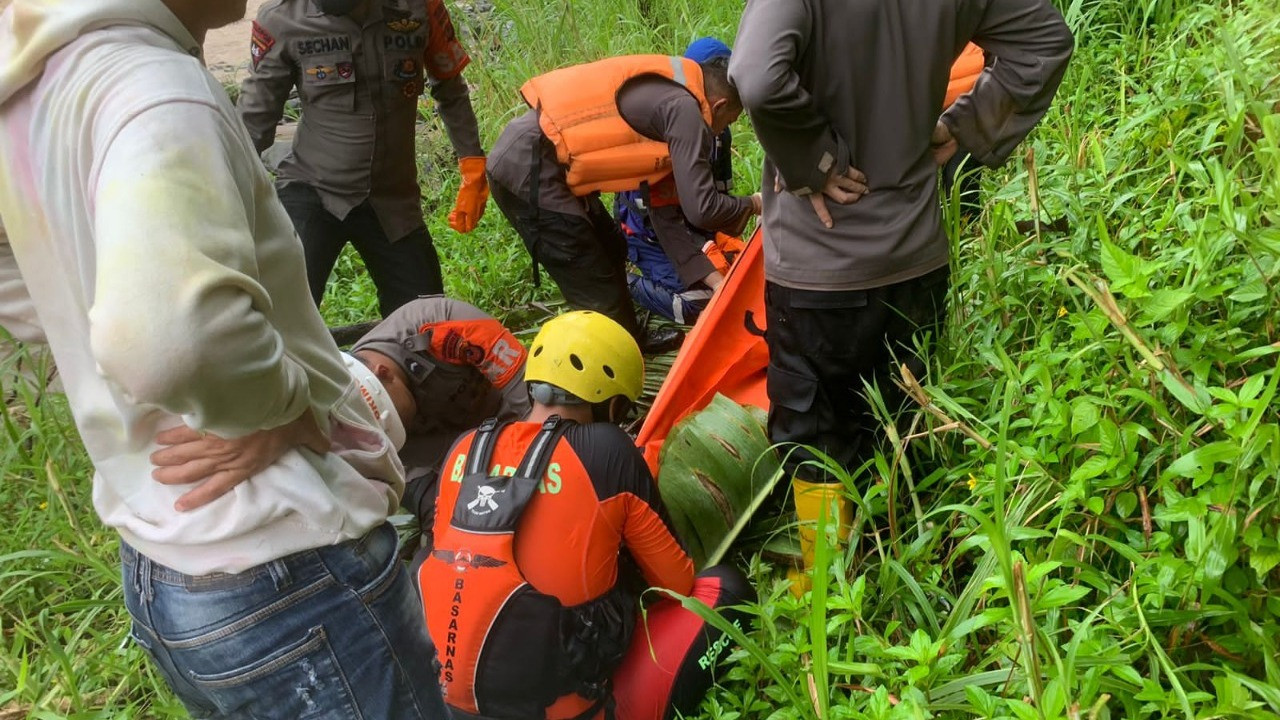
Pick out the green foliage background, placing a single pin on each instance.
(1078, 520)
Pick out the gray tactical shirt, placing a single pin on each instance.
(834, 83)
(359, 84)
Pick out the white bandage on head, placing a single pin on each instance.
(376, 396)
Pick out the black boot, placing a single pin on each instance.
(659, 340)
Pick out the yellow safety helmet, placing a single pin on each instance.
(588, 355)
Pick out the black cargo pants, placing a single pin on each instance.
(586, 257)
(402, 270)
(823, 346)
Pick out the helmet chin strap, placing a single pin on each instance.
(337, 7)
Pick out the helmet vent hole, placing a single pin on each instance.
(576, 362)
(537, 351)
(609, 372)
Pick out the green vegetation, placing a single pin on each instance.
(1079, 517)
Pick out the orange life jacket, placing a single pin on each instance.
(964, 73)
(578, 109)
(506, 649)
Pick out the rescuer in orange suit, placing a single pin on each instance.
(526, 592)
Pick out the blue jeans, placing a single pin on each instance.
(334, 632)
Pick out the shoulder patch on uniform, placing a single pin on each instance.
(482, 343)
(260, 43)
(445, 56)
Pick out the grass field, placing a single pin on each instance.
(1089, 524)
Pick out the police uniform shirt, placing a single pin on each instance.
(359, 85)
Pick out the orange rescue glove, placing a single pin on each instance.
(723, 250)
(730, 245)
(716, 256)
(472, 195)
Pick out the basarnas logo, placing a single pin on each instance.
(484, 502)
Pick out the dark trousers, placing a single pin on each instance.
(823, 347)
(585, 256)
(401, 270)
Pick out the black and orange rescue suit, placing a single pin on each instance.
(609, 126)
(531, 609)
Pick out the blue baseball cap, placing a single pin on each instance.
(707, 48)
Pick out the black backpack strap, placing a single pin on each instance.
(493, 504)
(646, 200)
(482, 445)
(538, 457)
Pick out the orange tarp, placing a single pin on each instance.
(720, 355)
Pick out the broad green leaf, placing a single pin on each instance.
(1204, 458)
(1125, 271)
(1197, 400)
(1263, 561)
(1084, 416)
(1060, 595)
(1092, 468)
(1125, 503)
(1164, 302)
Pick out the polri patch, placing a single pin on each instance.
(260, 43)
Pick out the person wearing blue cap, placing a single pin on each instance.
(679, 265)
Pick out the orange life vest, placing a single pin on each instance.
(506, 649)
(578, 109)
(964, 73)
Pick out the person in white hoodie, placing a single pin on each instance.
(23, 359)
(171, 288)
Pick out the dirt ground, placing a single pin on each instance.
(226, 50)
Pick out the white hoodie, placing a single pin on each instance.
(170, 285)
